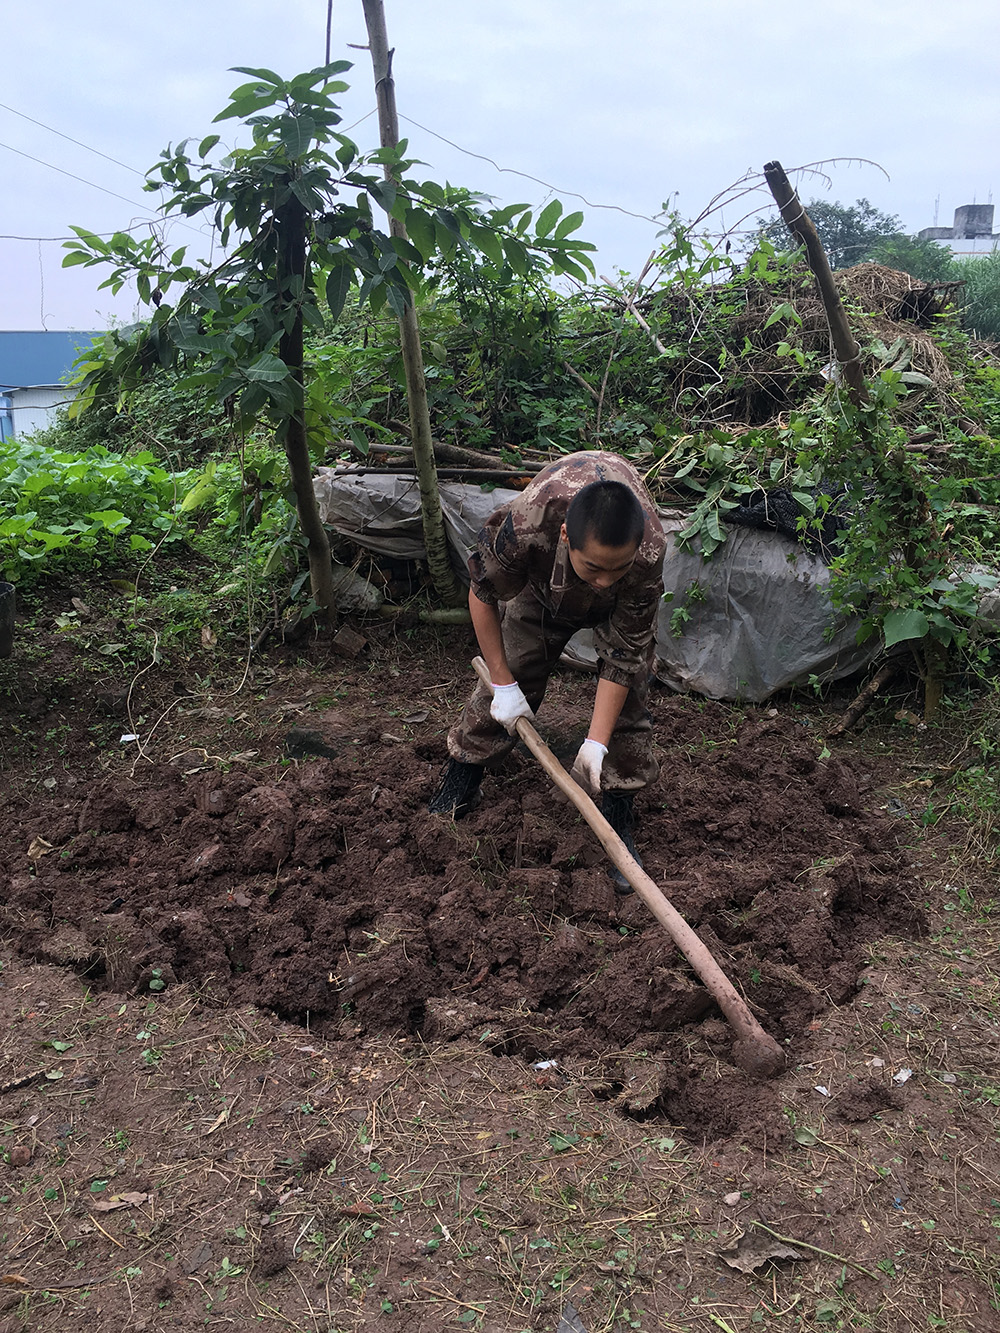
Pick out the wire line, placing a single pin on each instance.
(511, 171)
(69, 138)
(82, 179)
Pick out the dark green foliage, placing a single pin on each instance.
(223, 328)
(849, 234)
(917, 255)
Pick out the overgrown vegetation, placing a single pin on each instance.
(713, 375)
(860, 233)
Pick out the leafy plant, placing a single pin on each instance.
(81, 503)
(292, 246)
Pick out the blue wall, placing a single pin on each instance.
(38, 357)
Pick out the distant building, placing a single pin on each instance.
(34, 367)
(971, 234)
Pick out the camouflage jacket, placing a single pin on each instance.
(519, 548)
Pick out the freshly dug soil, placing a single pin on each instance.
(322, 890)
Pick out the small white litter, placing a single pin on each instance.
(546, 1064)
(902, 1075)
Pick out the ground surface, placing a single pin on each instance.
(279, 1049)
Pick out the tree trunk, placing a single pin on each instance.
(435, 540)
(292, 265)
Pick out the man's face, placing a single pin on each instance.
(598, 565)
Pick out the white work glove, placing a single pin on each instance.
(589, 760)
(508, 705)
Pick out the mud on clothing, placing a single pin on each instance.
(521, 566)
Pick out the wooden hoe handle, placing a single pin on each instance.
(758, 1054)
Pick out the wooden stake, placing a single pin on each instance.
(799, 223)
(435, 541)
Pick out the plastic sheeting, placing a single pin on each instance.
(382, 513)
(759, 612)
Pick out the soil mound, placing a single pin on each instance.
(326, 890)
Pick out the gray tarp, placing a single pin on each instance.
(760, 613)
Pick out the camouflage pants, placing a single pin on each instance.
(533, 640)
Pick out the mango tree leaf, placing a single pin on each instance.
(397, 299)
(548, 218)
(504, 216)
(489, 243)
(338, 284)
(268, 369)
(569, 223)
(265, 75)
(420, 230)
(384, 194)
(899, 626)
(517, 256)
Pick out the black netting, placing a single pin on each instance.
(779, 511)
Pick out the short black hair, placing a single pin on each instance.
(607, 512)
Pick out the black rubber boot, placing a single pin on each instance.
(458, 792)
(618, 808)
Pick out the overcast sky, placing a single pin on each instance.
(627, 102)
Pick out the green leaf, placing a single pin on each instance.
(489, 243)
(384, 194)
(338, 284)
(420, 230)
(296, 134)
(268, 369)
(899, 626)
(207, 144)
(561, 1142)
(396, 297)
(504, 216)
(246, 106)
(548, 218)
(265, 75)
(806, 1137)
(449, 221)
(200, 493)
(569, 223)
(517, 256)
(207, 297)
(783, 311)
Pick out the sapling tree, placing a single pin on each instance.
(291, 215)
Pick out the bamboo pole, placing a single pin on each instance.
(435, 540)
(758, 1054)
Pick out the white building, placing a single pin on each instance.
(970, 234)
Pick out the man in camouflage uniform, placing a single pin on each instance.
(582, 546)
